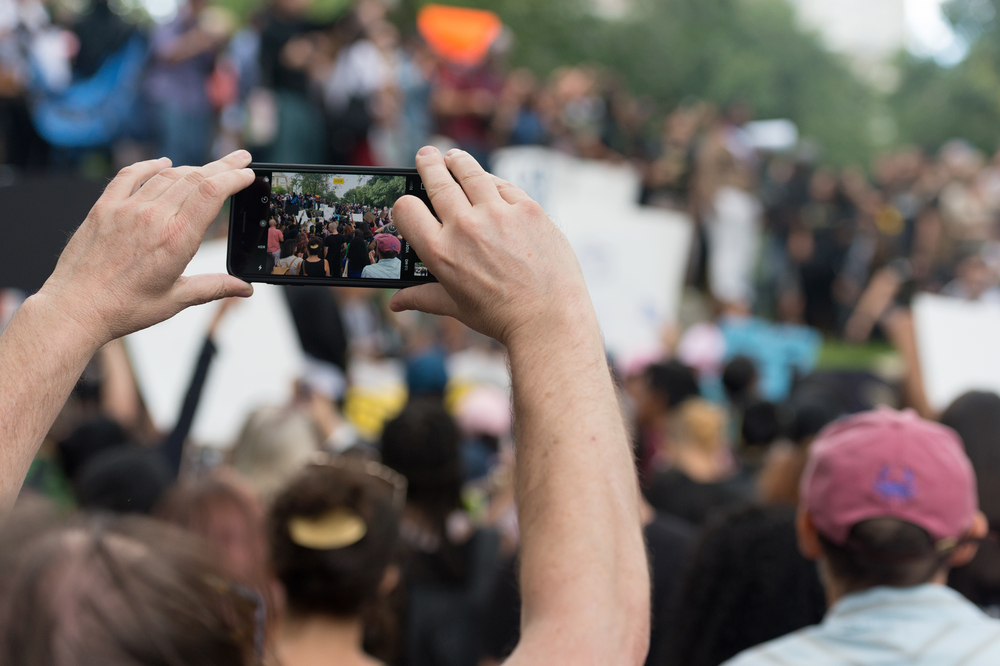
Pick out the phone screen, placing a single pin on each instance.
(324, 225)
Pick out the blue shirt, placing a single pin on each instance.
(924, 625)
(385, 268)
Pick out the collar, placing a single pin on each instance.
(916, 598)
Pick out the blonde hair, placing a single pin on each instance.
(699, 424)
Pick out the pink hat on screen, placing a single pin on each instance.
(387, 243)
(889, 464)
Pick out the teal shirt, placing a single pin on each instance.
(924, 625)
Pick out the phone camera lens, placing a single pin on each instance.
(263, 199)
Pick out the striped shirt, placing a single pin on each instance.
(924, 625)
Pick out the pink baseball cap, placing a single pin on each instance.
(387, 243)
(889, 464)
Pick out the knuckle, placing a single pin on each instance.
(208, 188)
(194, 177)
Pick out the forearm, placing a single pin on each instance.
(42, 354)
(584, 575)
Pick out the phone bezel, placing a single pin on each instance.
(371, 283)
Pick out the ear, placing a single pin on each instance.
(965, 552)
(808, 538)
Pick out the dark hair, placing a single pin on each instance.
(342, 582)
(422, 444)
(674, 382)
(746, 584)
(122, 590)
(738, 378)
(388, 254)
(884, 551)
(87, 440)
(288, 248)
(126, 479)
(975, 417)
(314, 247)
(761, 424)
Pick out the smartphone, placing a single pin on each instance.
(324, 225)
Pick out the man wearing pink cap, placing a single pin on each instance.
(888, 507)
(387, 255)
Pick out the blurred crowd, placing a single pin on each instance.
(360, 524)
(378, 528)
(779, 234)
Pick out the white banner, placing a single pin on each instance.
(259, 358)
(633, 257)
(957, 347)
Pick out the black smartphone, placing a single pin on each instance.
(324, 225)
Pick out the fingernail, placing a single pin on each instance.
(246, 291)
(427, 150)
(242, 154)
(453, 152)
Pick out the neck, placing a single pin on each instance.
(305, 640)
(835, 590)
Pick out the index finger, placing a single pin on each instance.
(476, 183)
(176, 193)
(132, 177)
(446, 195)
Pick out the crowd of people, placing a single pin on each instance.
(778, 233)
(320, 238)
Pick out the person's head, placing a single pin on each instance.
(975, 417)
(333, 533)
(422, 444)
(287, 248)
(314, 247)
(125, 479)
(664, 387)
(87, 440)
(746, 583)
(273, 222)
(887, 498)
(388, 247)
(698, 424)
(227, 513)
(739, 378)
(274, 445)
(121, 590)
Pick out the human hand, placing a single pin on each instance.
(504, 268)
(121, 271)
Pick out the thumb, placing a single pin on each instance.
(416, 224)
(429, 298)
(198, 289)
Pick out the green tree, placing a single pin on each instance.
(935, 103)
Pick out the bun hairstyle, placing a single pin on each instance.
(314, 246)
(333, 534)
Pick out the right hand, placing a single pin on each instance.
(504, 269)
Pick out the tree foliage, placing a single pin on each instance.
(936, 103)
(723, 51)
(378, 192)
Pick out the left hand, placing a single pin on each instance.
(121, 271)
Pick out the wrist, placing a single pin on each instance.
(569, 327)
(66, 320)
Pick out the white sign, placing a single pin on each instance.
(957, 347)
(634, 258)
(259, 358)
